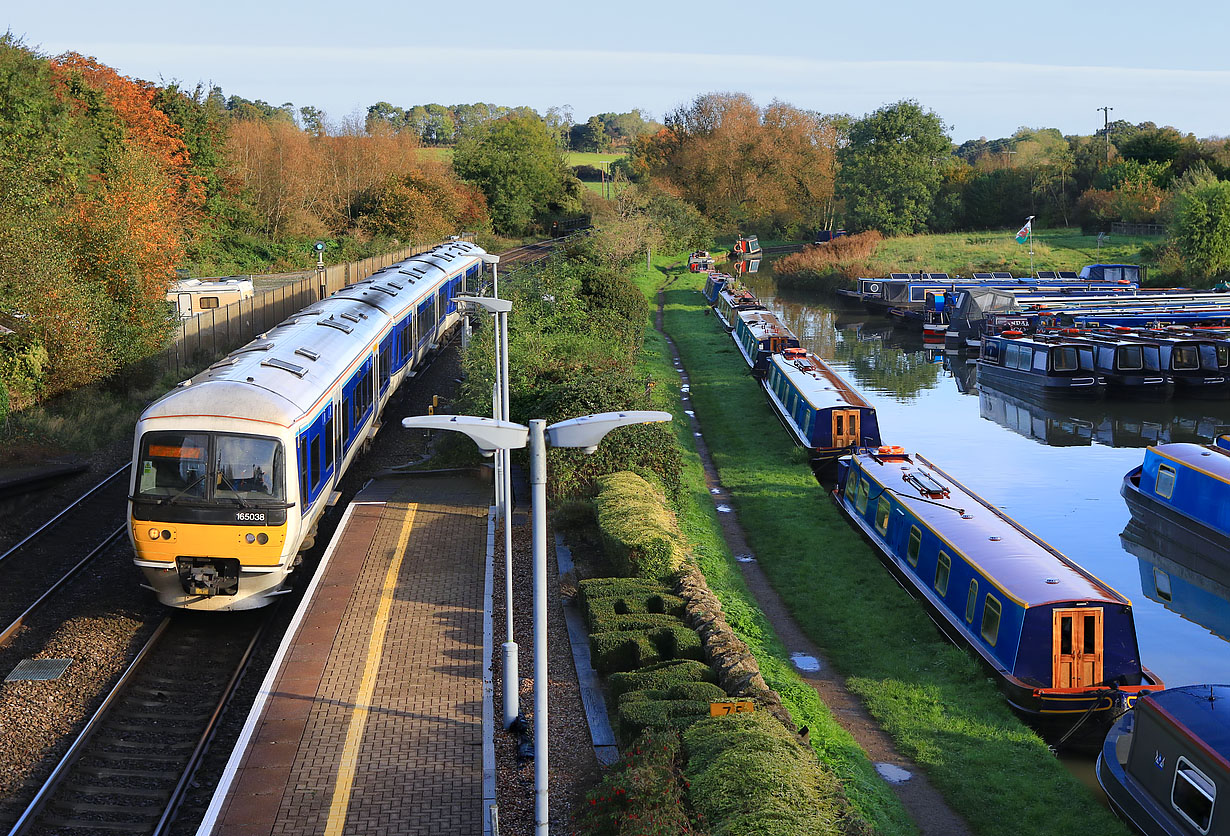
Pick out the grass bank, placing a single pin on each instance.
(698, 521)
(934, 699)
(963, 253)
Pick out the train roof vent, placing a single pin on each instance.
(353, 317)
(926, 484)
(395, 285)
(253, 347)
(275, 363)
(223, 363)
(390, 291)
(333, 323)
(308, 353)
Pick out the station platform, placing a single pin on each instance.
(370, 719)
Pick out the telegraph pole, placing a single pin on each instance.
(1106, 128)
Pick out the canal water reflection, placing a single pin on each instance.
(1055, 468)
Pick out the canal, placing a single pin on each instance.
(1057, 468)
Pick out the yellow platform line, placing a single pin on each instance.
(340, 805)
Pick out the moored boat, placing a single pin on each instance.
(821, 411)
(730, 300)
(714, 284)
(1164, 763)
(759, 334)
(1039, 364)
(700, 261)
(1060, 642)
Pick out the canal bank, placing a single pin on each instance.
(932, 698)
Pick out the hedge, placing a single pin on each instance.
(638, 530)
(605, 609)
(627, 650)
(661, 676)
(643, 793)
(636, 716)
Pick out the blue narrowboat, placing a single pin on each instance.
(1061, 643)
(759, 335)
(1042, 365)
(1129, 367)
(820, 410)
(1193, 364)
(1165, 762)
(731, 300)
(714, 283)
(1181, 580)
(1182, 493)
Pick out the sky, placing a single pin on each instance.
(986, 69)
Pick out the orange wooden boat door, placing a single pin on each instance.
(777, 345)
(845, 427)
(1077, 647)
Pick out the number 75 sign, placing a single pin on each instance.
(721, 708)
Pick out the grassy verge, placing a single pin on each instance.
(934, 699)
(698, 521)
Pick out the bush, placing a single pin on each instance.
(821, 264)
(593, 589)
(749, 775)
(638, 530)
(662, 676)
(1201, 228)
(626, 650)
(613, 621)
(643, 793)
(636, 716)
(702, 691)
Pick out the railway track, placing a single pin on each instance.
(132, 763)
(45, 560)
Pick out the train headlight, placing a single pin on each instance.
(153, 534)
(262, 538)
(250, 537)
(166, 535)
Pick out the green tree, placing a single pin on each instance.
(590, 136)
(890, 170)
(517, 165)
(1200, 227)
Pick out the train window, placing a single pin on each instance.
(971, 601)
(915, 545)
(174, 464)
(329, 441)
(882, 514)
(247, 467)
(991, 610)
(863, 495)
(943, 568)
(304, 485)
(1165, 481)
(1131, 357)
(314, 461)
(1193, 795)
(205, 302)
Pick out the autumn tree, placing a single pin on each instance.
(890, 171)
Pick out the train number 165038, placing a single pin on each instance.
(249, 516)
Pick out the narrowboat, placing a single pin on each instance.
(732, 299)
(1129, 367)
(1164, 763)
(1043, 365)
(713, 284)
(1182, 493)
(700, 261)
(759, 334)
(819, 409)
(1182, 581)
(1060, 642)
(746, 245)
(1193, 365)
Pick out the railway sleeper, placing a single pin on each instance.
(118, 772)
(59, 823)
(172, 729)
(122, 743)
(98, 808)
(159, 794)
(138, 757)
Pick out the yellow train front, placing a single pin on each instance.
(234, 467)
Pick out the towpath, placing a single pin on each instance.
(921, 800)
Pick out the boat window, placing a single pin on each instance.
(1153, 358)
(1186, 357)
(971, 601)
(1090, 634)
(1165, 481)
(882, 515)
(943, 567)
(1193, 795)
(1087, 359)
(1065, 635)
(1208, 356)
(1011, 355)
(1040, 361)
(863, 495)
(991, 609)
(1064, 359)
(1025, 358)
(852, 489)
(1161, 583)
(1131, 357)
(1223, 356)
(839, 424)
(911, 551)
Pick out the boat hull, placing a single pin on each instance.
(1128, 801)
(1169, 525)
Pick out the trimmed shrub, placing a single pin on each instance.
(604, 610)
(636, 716)
(703, 691)
(608, 587)
(750, 775)
(607, 622)
(626, 650)
(638, 530)
(661, 676)
(643, 793)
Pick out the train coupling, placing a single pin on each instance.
(209, 576)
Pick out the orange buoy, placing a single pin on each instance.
(893, 450)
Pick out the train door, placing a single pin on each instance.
(1077, 647)
(845, 427)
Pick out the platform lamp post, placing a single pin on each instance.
(586, 433)
(512, 676)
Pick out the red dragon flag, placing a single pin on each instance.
(1023, 235)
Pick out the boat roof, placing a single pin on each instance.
(1208, 459)
(764, 324)
(738, 295)
(1201, 710)
(1019, 563)
(820, 385)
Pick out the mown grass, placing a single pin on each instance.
(934, 699)
(698, 521)
(593, 158)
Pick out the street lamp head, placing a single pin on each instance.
(488, 434)
(588, 431)
(487, 303)
(488, 258)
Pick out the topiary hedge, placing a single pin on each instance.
(638, 530)
(643, 793)
(661, 676)
(627, 650)
(636, 716)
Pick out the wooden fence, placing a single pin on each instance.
(212, 333)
